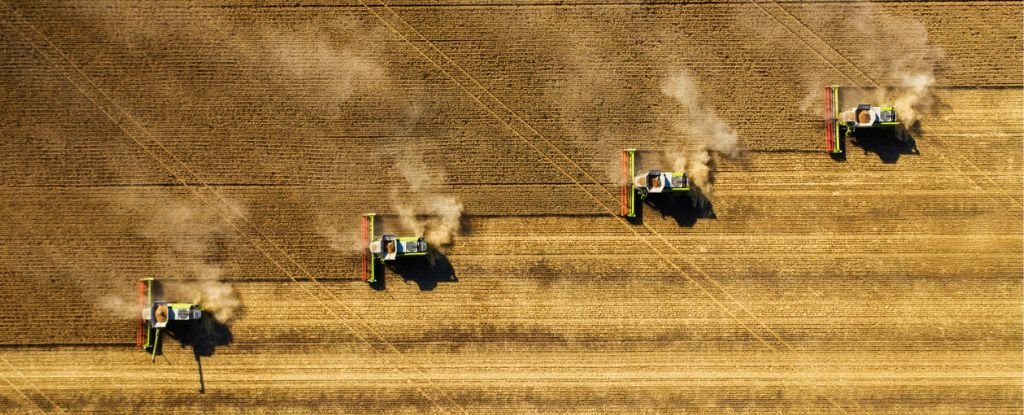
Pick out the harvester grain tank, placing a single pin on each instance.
(386, 248)
(842, 123)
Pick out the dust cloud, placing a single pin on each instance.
(706, 136)
(348, 240)
(904, 70)
(330, 71)
(312, 66)
(190, 244)
(120, 307)
(910, 59)
(197, 239)
(424, 211)
(913, 98)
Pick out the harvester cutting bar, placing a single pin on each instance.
(829, 119)
(369, 268)
(145, 300)
(627, 203)
(625, 185)
(833, 140)
(141, 327)
(364, 226)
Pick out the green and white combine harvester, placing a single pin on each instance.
(157, 315)
(386, 248)
(842, 124)
(645, 183)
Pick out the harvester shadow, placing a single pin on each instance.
(203, 337)
(426, 271)
(685, 208)
(888, 144)
(465, 225)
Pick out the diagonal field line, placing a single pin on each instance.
(572, 178)
(869, 78)
(22, 394)
(661, 254)
(30, 384)
(228, 218)
(577, 183)
(675, 266)
(277, 264)
(936, 139)
(609, 211)
(874, 83)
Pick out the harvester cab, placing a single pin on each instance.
(386, 248)
(390, 247)
(161, 313)
(157, 315)
(657, 181)
(645, 183)
(841, 124)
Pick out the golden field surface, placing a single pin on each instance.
(164, 139)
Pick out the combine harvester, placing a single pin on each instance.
(645, 183)
(157, 315)
(840, 125)
(386, 248)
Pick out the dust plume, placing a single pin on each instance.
(190, 243)
(913, 98)
(437, 220)
(422, 210)
(213, 295)
(706, 136)
(314, 66)
(334, 72)
(904, 70)
(196, 237)
(120, 307)
(349, 240)
(910, 59)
